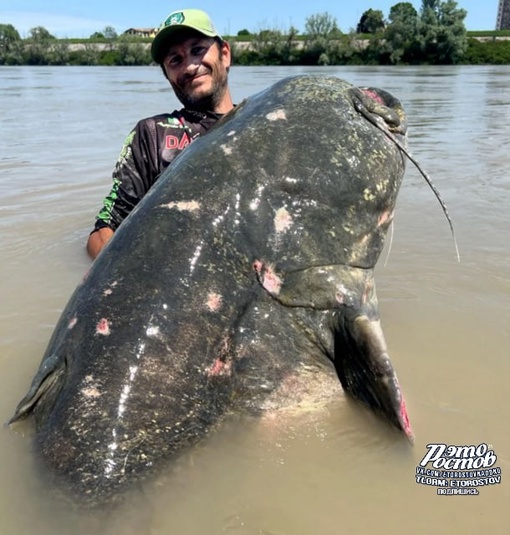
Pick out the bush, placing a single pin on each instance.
(487, 52)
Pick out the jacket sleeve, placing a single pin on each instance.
(134, 173)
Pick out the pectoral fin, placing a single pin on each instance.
(365, 370)
(359, 350)
(47, 381)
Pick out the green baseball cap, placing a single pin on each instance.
(194, 19)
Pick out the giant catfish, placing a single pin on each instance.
(243, 281)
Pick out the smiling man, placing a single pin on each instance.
(196, 61)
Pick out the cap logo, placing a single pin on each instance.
(174, 18)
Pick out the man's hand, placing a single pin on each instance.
(97, 240)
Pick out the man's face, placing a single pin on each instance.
(197, 68)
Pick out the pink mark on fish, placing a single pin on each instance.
(103, 327)
(374, 96)
(72, 322)
(90, 389)
(267, 277)
(404, 418)
(219, 367)
(91, 392)
(183, 206)
(282, 220)
(109, 290)
(227, 150)
(369, 286)
(385, 218)
(214, 302)
(276, 115)
(364, 241)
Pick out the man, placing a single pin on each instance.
(196, 61)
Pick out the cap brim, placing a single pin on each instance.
(162, 40)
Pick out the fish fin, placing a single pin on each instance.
(359, 350)
(365, 369)
(47, 379)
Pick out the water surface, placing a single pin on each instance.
(446, 323)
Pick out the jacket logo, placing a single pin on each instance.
(173, 142)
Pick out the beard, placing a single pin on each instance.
(204, 101)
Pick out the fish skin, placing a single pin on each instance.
(243, 281)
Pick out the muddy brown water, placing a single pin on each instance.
(446, 323)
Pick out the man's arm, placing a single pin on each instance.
(132, 178)
(97, 240)
(140, 163)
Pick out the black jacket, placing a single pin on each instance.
(147, 151)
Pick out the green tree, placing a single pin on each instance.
(487, 52)
(243, 32)
(372, 21)
(15, 55)
(129, 53)
(401, 37)
(322, 25)
(11, 46)
(8, 36)
(40, 34)
(112, 39)
(109, 33)
(321, 46)
(84, 54)
(269, 47)
(289, 51)
(37, 51)
(443, 35)
(402, 11)
(58, 53)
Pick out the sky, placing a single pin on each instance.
(79, 18)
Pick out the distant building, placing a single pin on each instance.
(141, 32)
(503, 21)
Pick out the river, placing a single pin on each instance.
(447, 323)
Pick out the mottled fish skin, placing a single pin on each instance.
(242, 281)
